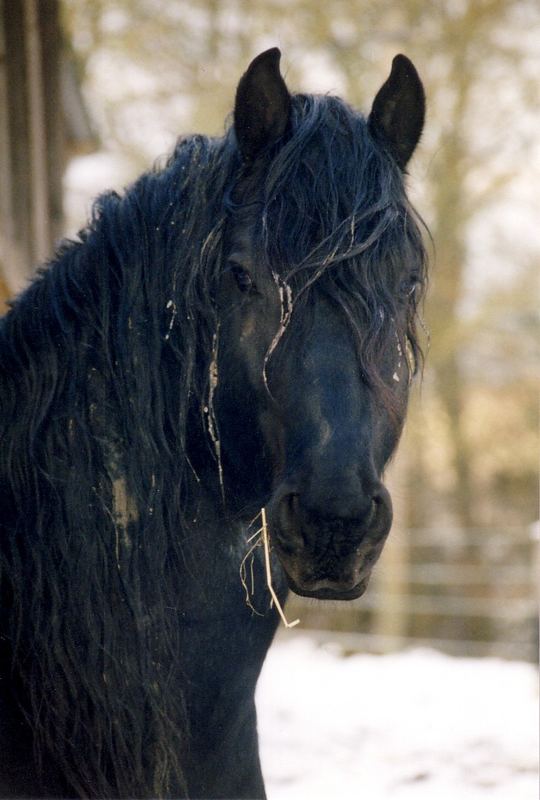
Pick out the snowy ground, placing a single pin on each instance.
(416, 725)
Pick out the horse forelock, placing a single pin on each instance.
(334, 215)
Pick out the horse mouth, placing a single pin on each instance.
(326, 589)
(328, 578)
(328, 557)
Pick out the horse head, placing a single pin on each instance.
(317, 302)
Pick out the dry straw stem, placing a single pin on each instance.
(244, 574)
(274, 596)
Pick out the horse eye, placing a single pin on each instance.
(408, 286)
(242, 277)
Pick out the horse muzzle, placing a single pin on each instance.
(328, 544)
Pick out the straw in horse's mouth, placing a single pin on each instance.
(264, 537)
(266, 544)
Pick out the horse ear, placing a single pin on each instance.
(398, 111)
(262, 107)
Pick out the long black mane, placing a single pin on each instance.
(105, 373)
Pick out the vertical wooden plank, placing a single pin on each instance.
(5, 168)
(51, 55)
(37, 135)
(5, 159)
(31, 151)
(16, 238)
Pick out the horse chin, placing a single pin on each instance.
(327, 589)
(338, 568)
(346, 581)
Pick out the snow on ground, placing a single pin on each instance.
(415, 725)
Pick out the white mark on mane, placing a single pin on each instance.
(170, 305)
(285, 312)
(213, 380)
(124, 512)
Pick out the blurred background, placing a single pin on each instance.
(94, 92)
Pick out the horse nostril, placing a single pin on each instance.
(288, 516)
(381, 504)
(289, 510)
(379, 498)
(289, 507)
(342, 506)
(293, 502)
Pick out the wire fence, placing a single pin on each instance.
(465, 592)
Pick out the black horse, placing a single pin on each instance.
(234, 333)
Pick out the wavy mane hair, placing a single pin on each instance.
(104, 368)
